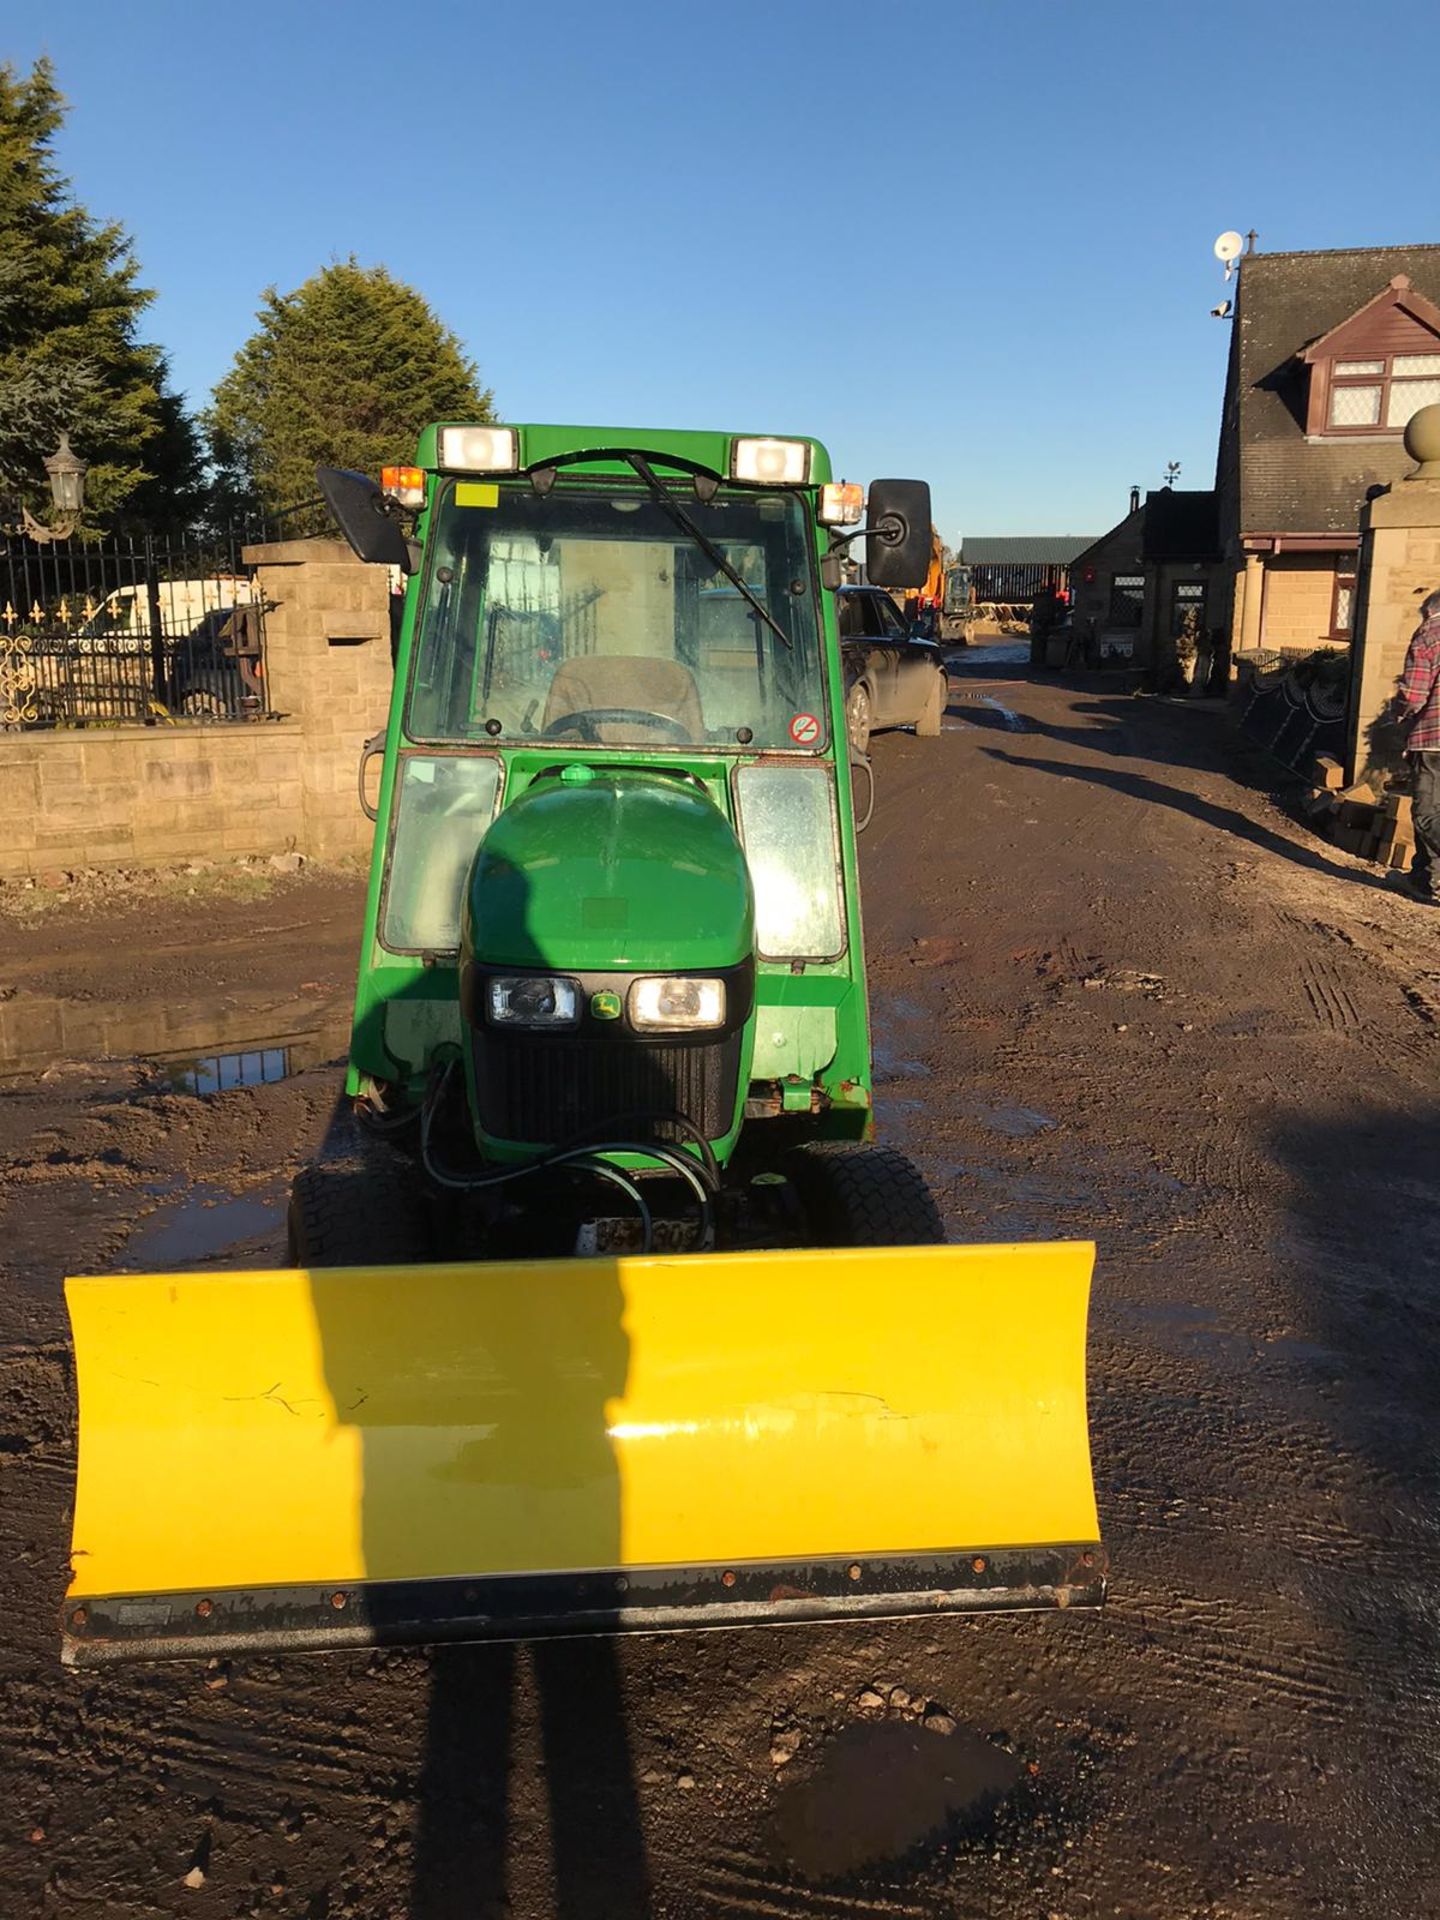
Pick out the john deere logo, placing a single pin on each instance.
(605, 1005)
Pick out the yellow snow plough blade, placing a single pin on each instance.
(410, 1454)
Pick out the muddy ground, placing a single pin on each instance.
(1118, 994)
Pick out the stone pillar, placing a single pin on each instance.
(327, 662)
(1399, 566)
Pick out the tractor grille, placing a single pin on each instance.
(548, 1090)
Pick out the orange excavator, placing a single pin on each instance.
(923, 608)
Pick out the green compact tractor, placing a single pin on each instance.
(612, 948)
(612, 1005)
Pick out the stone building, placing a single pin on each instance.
(1149, 589)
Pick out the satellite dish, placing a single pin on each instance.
(1229, 246)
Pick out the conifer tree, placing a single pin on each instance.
(345, 370)
(71, 359)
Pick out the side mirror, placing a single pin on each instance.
(897, 538)
(361, 512)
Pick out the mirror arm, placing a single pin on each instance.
(888, 529)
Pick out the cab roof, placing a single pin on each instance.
(540, 442)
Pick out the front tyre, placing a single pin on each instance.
(856, 1195)
(362, 1212)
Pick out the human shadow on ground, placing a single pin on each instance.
(464, 1844)
(480, 1402)
(1227, 820)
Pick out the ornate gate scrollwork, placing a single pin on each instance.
(17, 681)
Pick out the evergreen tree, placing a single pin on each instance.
(345, 370)
(70, 358)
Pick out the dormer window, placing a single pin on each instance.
(1370, 373)
(1381, 394)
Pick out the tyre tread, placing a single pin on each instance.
(859, 1195)
(366, 1212)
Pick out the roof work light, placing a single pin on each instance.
(771, 463)
(480, 449)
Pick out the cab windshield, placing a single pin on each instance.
(585, 616)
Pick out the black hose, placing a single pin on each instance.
(583, 1153)
(672, 1119)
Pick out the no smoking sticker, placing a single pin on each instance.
(805, 729)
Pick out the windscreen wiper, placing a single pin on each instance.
(666, 500)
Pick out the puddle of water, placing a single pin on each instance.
(49, 1033)
(994, 653)
(884, 1789)
(1016, 1123)
(1307, 1353)
(205, 1223)
(889, 1066)
(219, 1072)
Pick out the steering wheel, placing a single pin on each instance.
(586, 720)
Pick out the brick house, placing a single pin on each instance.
(1155, 577)
(1330, 354)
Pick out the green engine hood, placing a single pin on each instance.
(626, 871)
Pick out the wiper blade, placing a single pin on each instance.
(666, 500)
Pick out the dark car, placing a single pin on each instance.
(216, 671)
(892, 677)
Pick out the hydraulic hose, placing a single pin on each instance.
(586, 1157)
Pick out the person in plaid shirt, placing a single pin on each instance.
(1418, 703)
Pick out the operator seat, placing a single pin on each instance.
(638, 680)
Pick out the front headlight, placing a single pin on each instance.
(534, 1000)
(677, 1005)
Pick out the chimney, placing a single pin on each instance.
(1134, 499)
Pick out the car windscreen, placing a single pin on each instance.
(586, 616)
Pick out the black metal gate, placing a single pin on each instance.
(141, 628)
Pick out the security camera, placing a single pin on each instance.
(1222, 312)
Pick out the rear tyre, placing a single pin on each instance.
(857, 719)
(854, 1195)
(367, 1212)
(933, 712)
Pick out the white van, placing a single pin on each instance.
(122, 619)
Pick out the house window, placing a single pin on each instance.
(1380, 395)
(1127, 599)
(1414, 383)
(1342, 603)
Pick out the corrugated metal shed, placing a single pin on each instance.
(1024, 550)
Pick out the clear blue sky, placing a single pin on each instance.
(965, 239)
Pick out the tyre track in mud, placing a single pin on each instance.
(1115, 993)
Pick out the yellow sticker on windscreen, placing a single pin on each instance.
(476, 493)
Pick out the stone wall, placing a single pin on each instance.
(1299, 596)
(136, 796)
